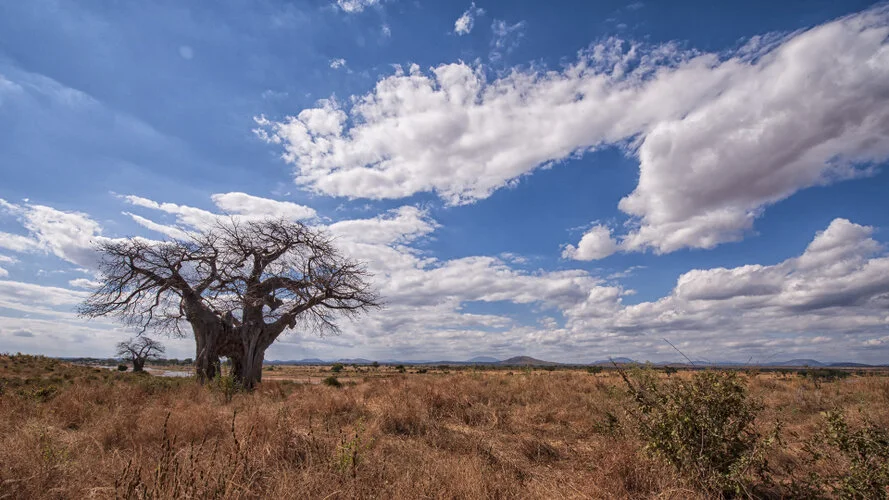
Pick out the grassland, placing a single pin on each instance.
(82, 432)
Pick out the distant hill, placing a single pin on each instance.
(308, 361)
(526, 361)
(619, 361)
(483, 359)
(798, 362)
(354, 361)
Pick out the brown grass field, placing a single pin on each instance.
(80, 432)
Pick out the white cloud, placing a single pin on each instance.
(595, 244)
(245, 204)
(719, 137)
(3, 273)
(67, 235)
(464, 24)
(354, 6)
(337, 63)
(84, 283)
(386, 31)
(837, 289)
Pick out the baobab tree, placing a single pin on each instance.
(238, 284)
(139, 350)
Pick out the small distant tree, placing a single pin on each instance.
(139, 350)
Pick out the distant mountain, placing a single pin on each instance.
(354, 361)
(619, 361)
(797, 362)
(526, 361)
(309, 361)
(483, 359)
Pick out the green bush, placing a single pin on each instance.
(332, 382)
(337, 367)
(121, 368)
(592, 370)
(703, 426)
(862, 455)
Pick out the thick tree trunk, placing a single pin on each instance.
(206, 360)
(138, 365)
(247, 361)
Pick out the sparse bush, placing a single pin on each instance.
(819, 375)
(400, 369)
(592, 370)
(863, 456)
(332, 382)
(122, 368)
(350, 452)
(226, 385)
(704, 427)
(337, 367)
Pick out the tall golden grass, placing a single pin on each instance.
(78, 432)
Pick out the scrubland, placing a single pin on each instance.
(81, 432)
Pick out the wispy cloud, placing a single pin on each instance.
(464, 24)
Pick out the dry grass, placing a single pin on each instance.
(76, 432)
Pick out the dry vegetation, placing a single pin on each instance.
(79, 432)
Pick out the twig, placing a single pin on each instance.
(680, 352)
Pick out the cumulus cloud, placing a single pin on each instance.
(464, 24)
(719, 137)
(595, 244)
(837, 290)
(337, 63)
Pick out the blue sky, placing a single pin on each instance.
(567, 182)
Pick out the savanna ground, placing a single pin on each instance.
(71, 431)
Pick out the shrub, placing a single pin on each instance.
(332, 381)
(704, 427)
(400, 368)
(121, 368)
(592, 370)
(863, 456)
(351, 451)
(226, 385)
(337, 367)
(824, 375)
